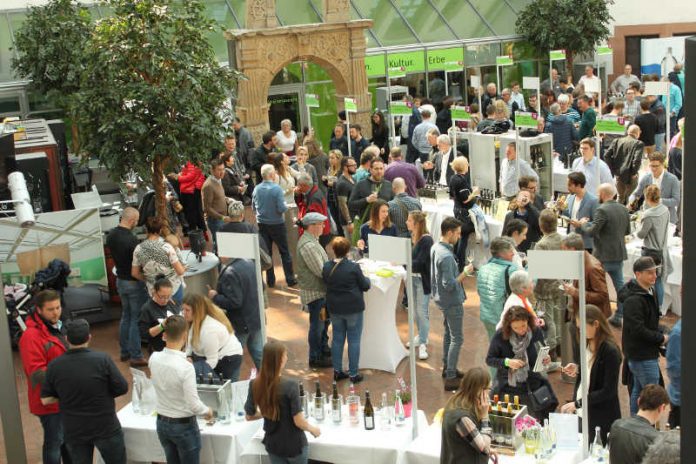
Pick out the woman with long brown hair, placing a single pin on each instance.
(286, 175)
(421, 243)
(212, 345)
(604, 364)
(277, 401)
(465, 422)
(379, 224)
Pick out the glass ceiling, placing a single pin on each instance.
(396, 22)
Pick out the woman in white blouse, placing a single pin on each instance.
(286, 138)
(212, 344)
(286, 175)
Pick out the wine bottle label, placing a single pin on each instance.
(369, 423)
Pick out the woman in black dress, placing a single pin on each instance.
(277, 401)
(604, 363)
(380, 135)
(464, 196)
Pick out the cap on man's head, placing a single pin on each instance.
(313, 218)
(77, 331)
(235, 209)
(644, 263)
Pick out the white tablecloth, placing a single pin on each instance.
(347, 444)
(426, 450)
(221, 444)
(380, 345)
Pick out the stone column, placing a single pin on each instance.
(261, 14)
(336, 11)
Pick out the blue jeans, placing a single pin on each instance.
(53, 438)
(112, 450)
(453, 339)
(181, 442)
(615, 271)
(660, 142)
(318, 336)
(644, 373)
(178, 296)
(133, 295)
(278, 234)
(659, 292)
(254, 344)
(226, 368)
(346, 326)
(299, 459)
(421, 303)
(214, 225)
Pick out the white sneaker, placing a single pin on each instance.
(416, 341)
(422, 352)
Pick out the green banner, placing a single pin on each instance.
(311, 100)
(604, 51)
(350, 105)
(611, 125)
(504, 60)
(404, 63)
(555, 55)
(446, 59)
(374, 66)
(400, 108)
(526, 120)
(460, 113)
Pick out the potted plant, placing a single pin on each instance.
(530, 430)
(405, 395)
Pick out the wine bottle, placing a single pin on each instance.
(210, 378)
(353, 405)
(305, 402)
(509, 410)
(369, 412)
(335, 405)
(318, 403)
(517, 402)
(597, 448)
(507, 398)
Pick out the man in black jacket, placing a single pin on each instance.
(237, 295)
(631, 437)
(369, 190)
(85, 383)
(641, 338)
(260, 155)
(624, 157)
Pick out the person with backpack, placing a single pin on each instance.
(492, 283)
(624, 157)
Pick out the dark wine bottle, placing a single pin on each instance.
(318, 403)
(369, 412)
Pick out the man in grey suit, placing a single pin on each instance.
(580, 204)
(668, 183)
(609, 228)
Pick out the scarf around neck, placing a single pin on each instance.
(519, 347)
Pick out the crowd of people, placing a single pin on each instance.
(337, 201)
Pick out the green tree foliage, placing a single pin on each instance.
(577, 26)
(152, 90)
(50, 52)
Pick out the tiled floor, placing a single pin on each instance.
(287, 323)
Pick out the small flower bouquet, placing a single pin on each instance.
(405, 390)
(525, 423)
(530, 430)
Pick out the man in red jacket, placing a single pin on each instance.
(310, 199)
(43, 341)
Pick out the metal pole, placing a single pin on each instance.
(412, 346)
(348, 130)
(583, 355)
(10, 416)
(599, 94)
(497, 77)
(668, 121)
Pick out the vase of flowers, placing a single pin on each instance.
(530, 430)
(405, 396)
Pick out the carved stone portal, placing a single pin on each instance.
(337, 46)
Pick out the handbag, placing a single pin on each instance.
(542, 399)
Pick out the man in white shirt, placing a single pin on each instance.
(518, 96)
(178, 403)
(588, 76)
(595, 174)
(509, 185)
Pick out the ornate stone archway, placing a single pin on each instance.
(261, 51)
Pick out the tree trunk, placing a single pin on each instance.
(569, 64)
(75, 136)
(160, 193)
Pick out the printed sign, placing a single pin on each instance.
(460, 113)
(404, 63)
(611, 125)
(530, 83)
(446, 59)
(555, 55)
(400, 108)
(526, 120)
(604, 51)
(374, 66)
(350, 105)
(504, 60)
(311, 100)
